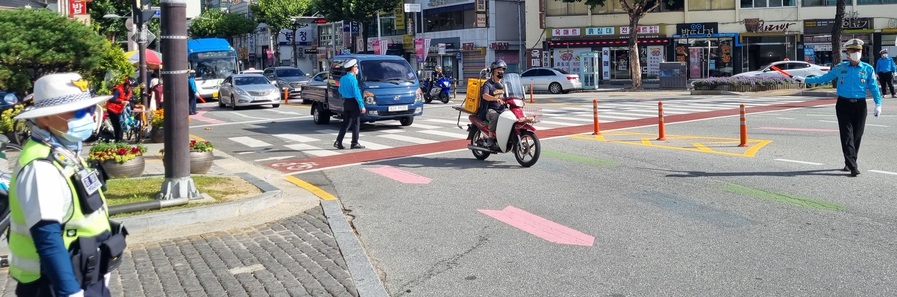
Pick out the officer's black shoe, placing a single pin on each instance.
(338, 145)
(854, 172)
(357, 146)
(893, 96)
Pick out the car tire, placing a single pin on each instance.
(321, 116)
(233, 103)
(555, 88)
(406, 121)
(221, 103)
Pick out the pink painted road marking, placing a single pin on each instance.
(539, 226)
(797, 129)
(199, 116)
(400, 175)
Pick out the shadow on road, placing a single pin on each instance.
(824, 172)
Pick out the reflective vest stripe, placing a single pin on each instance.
(24, 264)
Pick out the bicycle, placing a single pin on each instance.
(134, 122)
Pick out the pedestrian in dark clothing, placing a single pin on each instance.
(353, 105)
(855, 78)
(194, 92)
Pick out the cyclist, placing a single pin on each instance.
(121, 96)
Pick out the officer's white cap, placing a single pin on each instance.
(351, 63)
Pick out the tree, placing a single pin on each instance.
(37, 42)
(214, 23)
(277, 14)
(636, 9)
(362, 11)
(836, 31)
(114, 29)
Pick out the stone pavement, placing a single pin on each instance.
(301, 247)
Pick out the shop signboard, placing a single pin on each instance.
(600, 31)
(605, 63)
(569, 58)
(655, 56)
(824, 26)
(756, 25)
(565, 32)
(399, 13)
(697, 29)
(694, 62)
(655, 29)
(535, 57)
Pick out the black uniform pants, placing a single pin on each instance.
(352, 119)
(115, 119)
(851, 123)
(885, 79)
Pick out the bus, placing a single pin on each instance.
(213, 59)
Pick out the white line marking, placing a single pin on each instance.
(408, 139)
(885, 172)
(559, 123)
(799, 162)
(243, 115)
(786, 118)
(311, 150)
(249, 141)
(296, 137)
(876, 125)
(252, 122)
(576, 119)
(422, 126)
(273, 158)
(284, 112)
(442, 121)
(445, 133)
(373, 146)
(825, 121)
(393, 131)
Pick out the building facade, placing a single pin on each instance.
(714, 38)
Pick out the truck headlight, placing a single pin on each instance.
(369, 100)
(418, 97)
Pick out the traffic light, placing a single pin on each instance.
(320, 21)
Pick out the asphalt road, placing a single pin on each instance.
(617, 214)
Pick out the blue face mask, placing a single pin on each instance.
(80, 128)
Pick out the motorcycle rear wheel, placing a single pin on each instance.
(527, 151)
(477, 139)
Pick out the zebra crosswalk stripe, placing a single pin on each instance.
(445, 133)
(408, 139)
(311, 150)
(296, 137)
(249, 141)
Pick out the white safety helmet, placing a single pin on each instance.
(854, 44)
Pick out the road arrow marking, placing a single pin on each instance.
(539, 226)
(400, 175)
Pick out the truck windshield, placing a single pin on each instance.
(387, 71)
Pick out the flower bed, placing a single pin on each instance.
(745, 84)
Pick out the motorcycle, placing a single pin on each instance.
(440, 90)
(514, 131)
(103, 132)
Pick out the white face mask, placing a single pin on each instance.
(854, 56)
(884, 55)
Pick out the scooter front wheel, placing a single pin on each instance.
(527, 150)
(444, 98)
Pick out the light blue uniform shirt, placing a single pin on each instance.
(853, 81)
(885, 65)
(348, 88)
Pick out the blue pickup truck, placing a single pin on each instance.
(390, 88)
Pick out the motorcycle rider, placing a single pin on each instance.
(492, 97)
(434, 77)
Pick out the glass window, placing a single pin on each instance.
(250, 80)
(386, 70)
(766, 3)
(811, 3)
(872, 2)
(559, 8)
(454, 20)
(562, 71)
(610, 6)
(289, 72)
(676, 5)
(528, 73)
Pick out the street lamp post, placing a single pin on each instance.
(137, 18)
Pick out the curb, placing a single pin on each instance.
(801, 93)
(270, 197)
(367, 283)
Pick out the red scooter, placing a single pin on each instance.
(514, 131)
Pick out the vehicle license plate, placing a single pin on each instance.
(398, 108)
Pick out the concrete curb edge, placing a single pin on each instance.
(366, 280)
(270, 197)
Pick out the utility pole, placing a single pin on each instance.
(178, 183)
(295, 57)
(137, 14)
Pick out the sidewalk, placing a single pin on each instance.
(283, 242)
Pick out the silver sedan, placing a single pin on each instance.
(241, 90)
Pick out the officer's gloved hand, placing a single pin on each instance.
(78, 294)
(798, 78)
(877, 110)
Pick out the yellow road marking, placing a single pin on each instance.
(754, 145)
(701, 147)
(310, 187)
(646, 142)
(197, 137)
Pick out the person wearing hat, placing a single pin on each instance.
(855, 78)
(121, 97)
(492, 98)
(885, 68)
(194, 92)
(56, 205)
(353, 105)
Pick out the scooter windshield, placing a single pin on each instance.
(513, 86)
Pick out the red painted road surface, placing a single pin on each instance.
(317, 163)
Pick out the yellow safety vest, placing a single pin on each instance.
(24, 262)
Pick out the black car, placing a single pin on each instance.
(287, 77)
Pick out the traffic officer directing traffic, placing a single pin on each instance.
(885, 68)
(855, 78)
(61, 241)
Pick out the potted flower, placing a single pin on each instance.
(15, 130)
(157, 122)
(119, 159)
(201, 156)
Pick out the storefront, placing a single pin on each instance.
(888, 39)
(473, 59)
(817, 40)
(706, 51)
(764, 42)
(567, 45)
(443, 52)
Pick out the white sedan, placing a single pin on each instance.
(240, 90)
(796, 68)
(553, 80)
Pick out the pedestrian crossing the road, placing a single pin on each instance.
(438, 127)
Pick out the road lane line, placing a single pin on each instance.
(373, 146)
(553, 123)
(400, 175)
(249, 141)
(445, 133)
(422, 126)
(783, 198)
(540, 227)
(273, 158)
(252, 122)
(799, 162)
(284, 112)
(797, 129)
(443, 121)
(245, 116)
(311, 150)
(328, 131)
(296, 137)
(885, 172)
(311, 188)
(407, 139)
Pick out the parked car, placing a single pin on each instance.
(319, 79)
(390, 88)
(241, 90)
(553, 80)
(287, 77)
(798, 68)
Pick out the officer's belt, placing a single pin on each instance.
(852, 100)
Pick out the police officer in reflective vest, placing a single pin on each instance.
(855, 78)
(61, 241)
